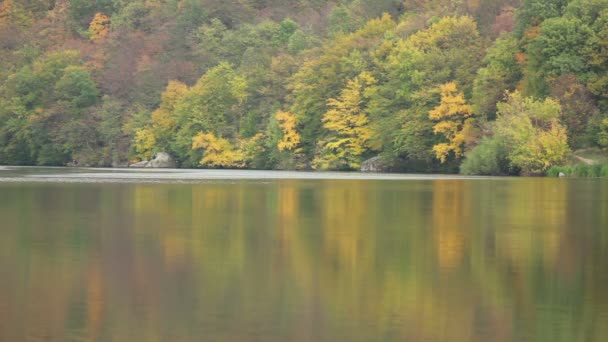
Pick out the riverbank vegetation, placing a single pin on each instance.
(580, 171)
(478, 86)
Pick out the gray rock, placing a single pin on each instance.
(562, 175)
(141, 164)
(374, 164)
(162, 160)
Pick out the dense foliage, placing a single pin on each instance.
(490, 86)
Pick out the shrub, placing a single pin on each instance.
(554, 171)
(580, 170)
(604, 171)
(594, 171)
(488, 158)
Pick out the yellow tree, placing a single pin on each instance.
(163, 119)
(454, 121)
(291, 137)
(534, 137)
(145, 143)
(347, 123)
(219, 152)
(99, 28)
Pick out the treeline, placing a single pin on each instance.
(480, 86)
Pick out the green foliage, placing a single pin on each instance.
(532, 132)
(77, 86)
(342, 20)
(533, 12)
(82, 11)
(319, 79)
(561, 47)
(580, 171)
(415, 67)
(133, 16)
(488, 158)
(43, 106)
(603, 134)
(500, 73)
(84, 80)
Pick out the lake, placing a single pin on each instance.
(149, 255)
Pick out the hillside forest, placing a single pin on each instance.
(491, 87)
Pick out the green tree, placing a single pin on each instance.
(560, 48)
(450, 49)
(499, 75)
(319, 79)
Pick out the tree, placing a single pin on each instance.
(82, 11)
(163, 119)
(99, 28)
(559, 49)
(532, 133)
(454, 118)
(145, 143)
(77, 87)
(324, 75)
(291, 137)
(214, 104)
(218, 152)
(348, 128)
(500, 74)
(534, 12)
(412, 70)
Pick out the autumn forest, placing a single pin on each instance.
(490, 87)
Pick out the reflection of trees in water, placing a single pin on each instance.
(432, 260)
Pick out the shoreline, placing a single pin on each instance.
(69, 174)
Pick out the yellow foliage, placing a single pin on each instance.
(291, 137)
(349, 128)
(162, 118)
(547, 149)
(99, 28)
(219, 152)
(452, 104)
(455, 123)
(173, 93)
(145, 142)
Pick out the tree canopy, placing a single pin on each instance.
(426, 85)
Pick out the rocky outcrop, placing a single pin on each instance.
(140, 165)
(374, 164)
(161, 160)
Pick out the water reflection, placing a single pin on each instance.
(429, 260)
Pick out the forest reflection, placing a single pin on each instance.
(441, 260)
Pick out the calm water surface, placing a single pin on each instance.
(97, 255)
